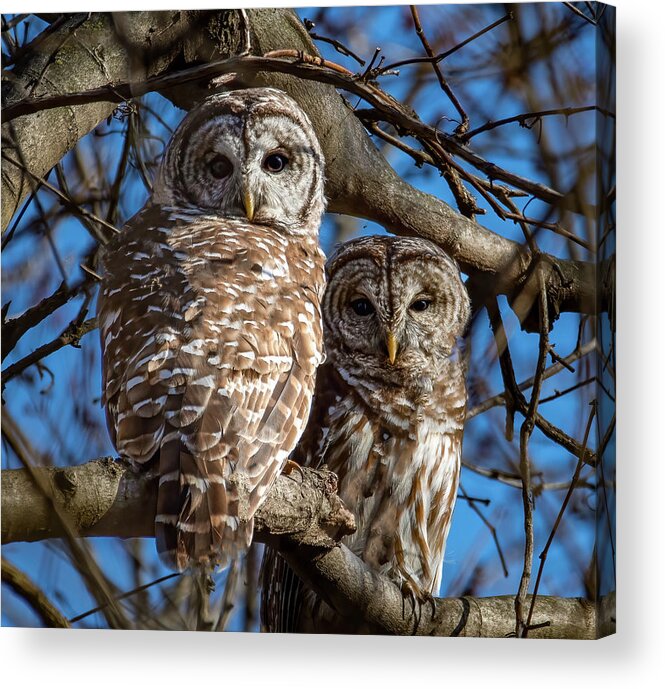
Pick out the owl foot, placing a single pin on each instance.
(427, 597)
(411, 596)
(416, 597)
(290, 466)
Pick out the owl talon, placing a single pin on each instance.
(417, 597)
(290, 466)
(427, 597)
(408, 595)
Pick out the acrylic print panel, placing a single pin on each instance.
(159, 372)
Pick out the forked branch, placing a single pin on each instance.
(304, 518)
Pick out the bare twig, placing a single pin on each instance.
(579, 13)
(445, 87)
(15, 328)
(337, 45)
(71, 335)
(579, 352)
(446, 53)
(522, 626)
(123, 596)
(514, 400)
(65, 200)
(564, 504)
(560, 393)
(19, 216)
(528, 119)
(492, 530)
(515, 480)
(33, 595)
(553, 227)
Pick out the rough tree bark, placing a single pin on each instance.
(106, 497)
(304, 518)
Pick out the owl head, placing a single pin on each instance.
(250, 154)
(394, 309)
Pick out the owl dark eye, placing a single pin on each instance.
(220, 166)
(362, 307)
(421, 305)
(275, 162)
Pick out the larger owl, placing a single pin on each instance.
(387, 418)
(209, 314)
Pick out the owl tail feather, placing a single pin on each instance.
(196, 522)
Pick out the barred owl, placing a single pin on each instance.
(210, 319)
(387, 417)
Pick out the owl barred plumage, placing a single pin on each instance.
(210, 322)
(387, 418)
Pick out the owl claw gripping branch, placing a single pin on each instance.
(210, 320)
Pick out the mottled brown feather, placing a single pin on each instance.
(392, 433)
(210, 324)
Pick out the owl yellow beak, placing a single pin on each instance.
(248, 202)
(391, 344)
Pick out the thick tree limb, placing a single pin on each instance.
(304, 517)
(350, 586)
(106, 497)
(360, 182)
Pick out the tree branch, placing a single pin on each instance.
(14, 328)
(71, 335)
(84, 52)
(23, 586)
(350, 586)
(304, 518)
(107, 497)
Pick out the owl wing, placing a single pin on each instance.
(310, 449)
(232, 432)
(287, 604)
(210, 383)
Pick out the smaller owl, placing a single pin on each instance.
(387, 418)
